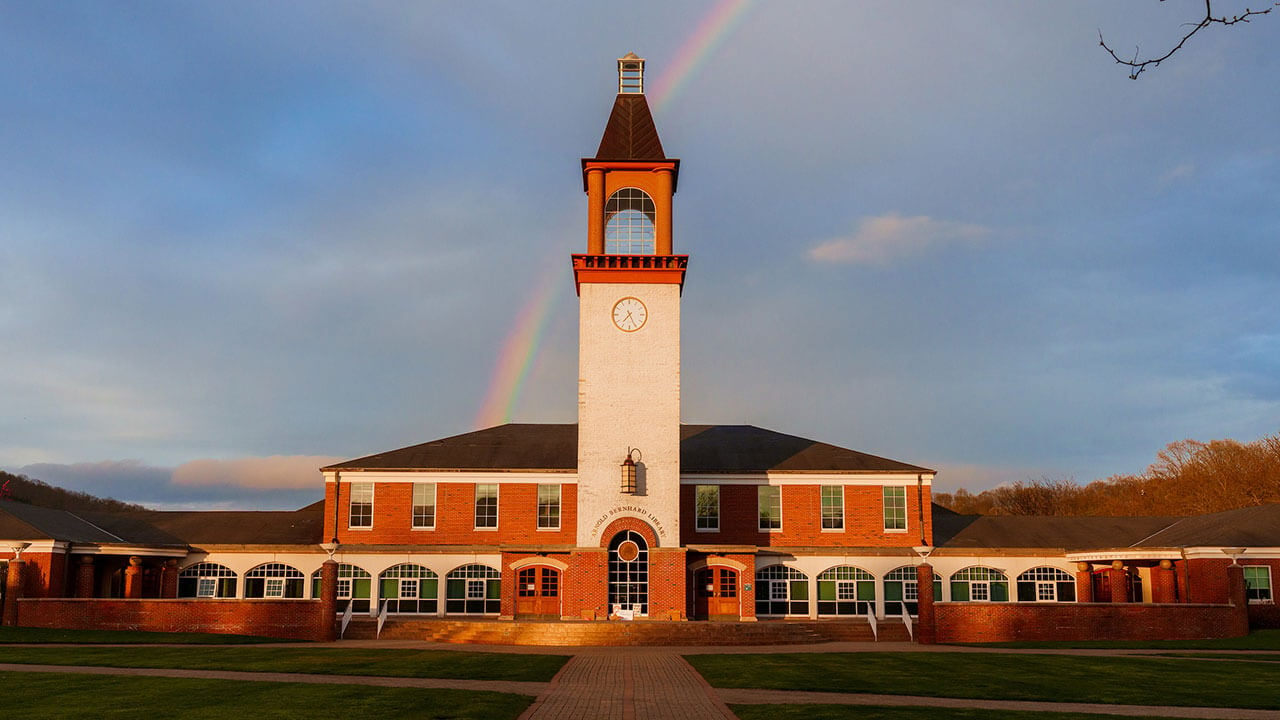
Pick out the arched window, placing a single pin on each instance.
(207, 580)
(473, 590)
(273, 580)
(902, 591)
(629, 572)
(979, 584)
(781, 590)
(1046, 584)
(846, 590)
(409, 588)
(629, 218)
(354, 584)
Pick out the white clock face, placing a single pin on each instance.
(629, 314)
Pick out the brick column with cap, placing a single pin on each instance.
(133, 578)
(1164, 585)
(1119, 582)
(84, 577)
(13, 591)
(169, 579)
(926, 625)
(328, 601)
(1238, 596)
(1084, 582)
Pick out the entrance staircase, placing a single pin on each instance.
(641, 632)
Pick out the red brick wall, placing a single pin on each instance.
(289, 619)
(1205, 579)
(802, 518)
(45, 575)
(1003, 622)
(1264, 616)
(455, 516)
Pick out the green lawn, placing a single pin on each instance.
(119, 637)
(1256, 640)
(1138, 681)
(875, 712)
(41, 696)
(323, 660)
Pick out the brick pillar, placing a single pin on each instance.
(169, 579)
(1164, 585)
(1119, 582)
(926, 627)
(84, 577)
(133, 578)
(13, 591)
(327, 632)
(1238, 596)
(747, 597)
(1084, 582)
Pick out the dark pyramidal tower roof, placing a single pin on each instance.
(630, 133)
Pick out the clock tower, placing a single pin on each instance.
(629, 285)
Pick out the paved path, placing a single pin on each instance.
(628, 686)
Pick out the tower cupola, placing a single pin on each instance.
(631, 75)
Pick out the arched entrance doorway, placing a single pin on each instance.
(715, 593)
(629, 573)
(538, 592)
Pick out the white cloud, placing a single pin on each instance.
(882, 239)
(1174, 174)
(260, 473)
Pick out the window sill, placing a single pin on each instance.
(548, 529)
(362, 528)
(833, 530)
(895, 531)
(707, 530)
(486, 529)
(433, 527)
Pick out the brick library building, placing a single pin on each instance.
(631, 525)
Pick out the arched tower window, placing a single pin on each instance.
(629, 572)
(629, 223)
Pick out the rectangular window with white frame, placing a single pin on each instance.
(360, 508)
(895, 509)
(424, 506)
(832, 507)
(707, 503)
(548, 507)
(769, 502)
(486, 506)
(1257, 583)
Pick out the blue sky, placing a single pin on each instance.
(241, 240)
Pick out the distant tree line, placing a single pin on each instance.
(20, 488)
(1187, 478)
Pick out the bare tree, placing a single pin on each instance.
(1137, 66)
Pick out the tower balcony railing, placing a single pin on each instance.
(630, 262)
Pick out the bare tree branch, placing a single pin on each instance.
(1137, 67)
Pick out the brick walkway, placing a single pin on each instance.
(628, 686)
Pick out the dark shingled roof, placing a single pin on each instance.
(296, 527)
(630, 133)
(20, 521)
(554, 447)
(1247, 527)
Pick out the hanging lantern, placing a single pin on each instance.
(629, 474)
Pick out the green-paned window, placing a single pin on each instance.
(893, 591)
(424, 506)
(832, 507)
(895, 508)
(493, 590)
(1000, 592)
(799, 589)
(959, 591)
(389, 588)
(1257, 583)
(866, 590)
(707, 504)
(360, 588)
(1026, 592)
(548, 507)
(827, 590)
(455, 589)
(769, 501)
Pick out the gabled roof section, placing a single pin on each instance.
(554, 448)
(20, 521)
(630, 134)
(990, 532)
(248, 527)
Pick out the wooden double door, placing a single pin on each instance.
(715, 594)
(538, 592)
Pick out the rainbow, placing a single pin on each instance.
(710, 33)
(520, 350)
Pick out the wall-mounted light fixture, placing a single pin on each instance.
(629, 471)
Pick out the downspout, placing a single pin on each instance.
(337, 497)
(920, 506)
